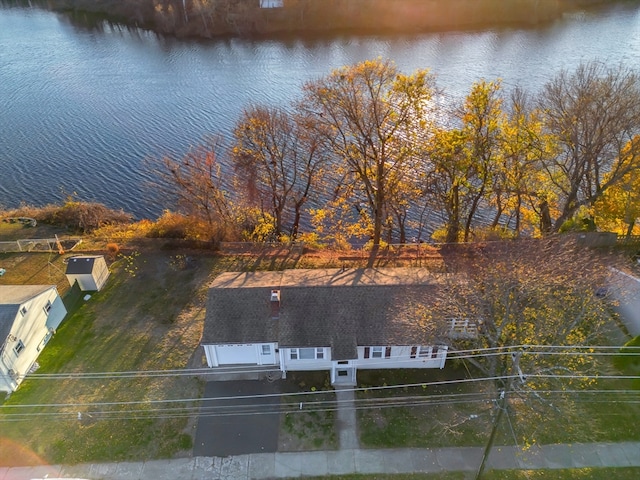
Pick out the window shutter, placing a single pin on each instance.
(367, 352)
(414, 351)
(387, 352)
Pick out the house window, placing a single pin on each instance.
(307, 353)
(44, 340)
(424, 352)
(434, 352)
(414, 352)
(19, 347)
(23, 310)
(377, 352)
(266, 349)
(47, 307)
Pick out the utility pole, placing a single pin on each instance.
(501, 402)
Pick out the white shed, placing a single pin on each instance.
(91, 272)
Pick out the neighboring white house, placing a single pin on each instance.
(91, 272)
(625, 289)
(333, 319)
(29, 316)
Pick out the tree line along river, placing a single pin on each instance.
(84, 105)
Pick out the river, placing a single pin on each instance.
(82, 106)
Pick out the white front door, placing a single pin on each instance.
(267, 354)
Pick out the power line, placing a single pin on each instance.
(169, 402)
(266, 395)
(451, 354)
(321, 406)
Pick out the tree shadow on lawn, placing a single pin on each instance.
(422, 408)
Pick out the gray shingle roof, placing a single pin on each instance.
(80, 265)
(322, 308)
(7, 317)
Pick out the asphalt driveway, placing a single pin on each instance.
(238, 426)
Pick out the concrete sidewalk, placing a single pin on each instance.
(323, 463)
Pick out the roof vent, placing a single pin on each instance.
(275, 304)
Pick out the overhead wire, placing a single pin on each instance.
(451, 354)
(325, 406)
(169, 404)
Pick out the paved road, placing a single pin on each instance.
(321, 463)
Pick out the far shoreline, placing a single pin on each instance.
(311, 19)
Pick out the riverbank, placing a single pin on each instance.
(212, 18)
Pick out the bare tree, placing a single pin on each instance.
(520, 294)
(279, 161)
(195, 184)
(594, 114)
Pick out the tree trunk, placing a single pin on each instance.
(453, 225)
(545, 218)
(630, 228)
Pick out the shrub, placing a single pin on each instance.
(439, 235)
(77, 216)
(489, 234)
(112, 250)
(124, 232)
(170, 225)
(311, 240)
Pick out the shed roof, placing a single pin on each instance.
(80, 265)
(330, 307)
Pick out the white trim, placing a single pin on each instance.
(319, 353)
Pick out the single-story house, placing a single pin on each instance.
(90, 271)
(29, 316)
(326, 319)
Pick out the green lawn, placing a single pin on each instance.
(455, 414)
(577, 474)
(148, 317)
(460, 415)
(308, 421)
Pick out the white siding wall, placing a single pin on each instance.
(241, 354)
(100, 273)
(33, 330)
(85, 281)
(304, 364)
(626, 290)
(401, 358)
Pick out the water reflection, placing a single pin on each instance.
(86, 100)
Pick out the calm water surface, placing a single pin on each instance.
(81, 108)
